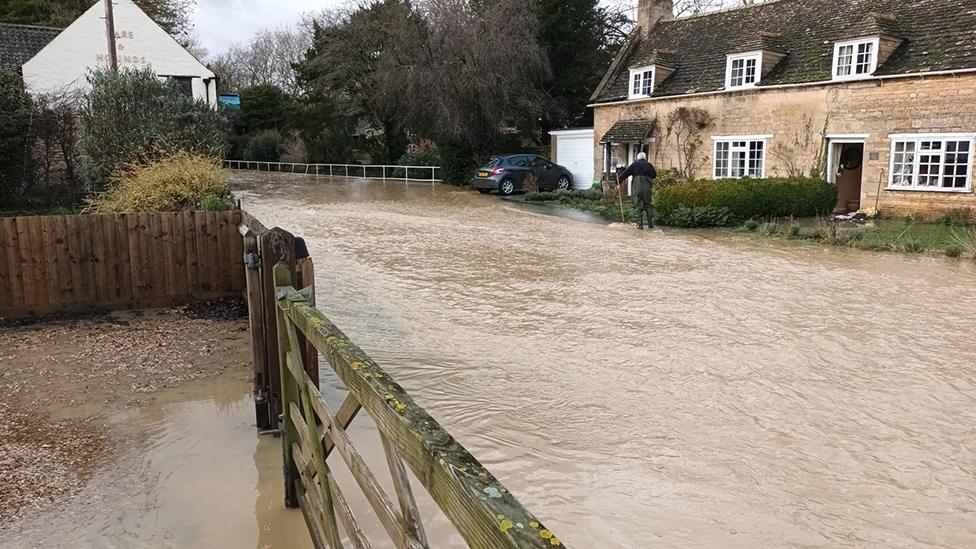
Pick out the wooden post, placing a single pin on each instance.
(305, 271)
(274, 246)
(113, 52)
(258, 319)
(282, 276)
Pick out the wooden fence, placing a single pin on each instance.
(51, 264)
(486, 514)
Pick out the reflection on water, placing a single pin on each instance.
(640, 390)
(193, 474)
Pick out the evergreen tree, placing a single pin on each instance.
(172, 15)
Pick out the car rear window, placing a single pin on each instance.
(495, 162)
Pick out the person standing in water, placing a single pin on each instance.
(643, 173)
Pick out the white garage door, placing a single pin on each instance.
(575, 152)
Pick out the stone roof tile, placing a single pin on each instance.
(19, 43)
(940, 35)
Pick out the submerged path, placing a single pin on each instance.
(638, 390)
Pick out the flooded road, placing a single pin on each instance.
(660, 390)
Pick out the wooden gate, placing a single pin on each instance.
(286, 323)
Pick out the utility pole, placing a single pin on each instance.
(113, 53)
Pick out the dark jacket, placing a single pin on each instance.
(643, 173)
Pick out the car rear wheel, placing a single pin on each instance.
(484, 191)
(564, 183)
(506, 187)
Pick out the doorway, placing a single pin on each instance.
(846, 171)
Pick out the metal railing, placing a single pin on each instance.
(427, 174)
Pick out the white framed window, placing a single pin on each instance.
(932, 162)
(641, 82)
(743, 70)
(739, 156)
(856, 58)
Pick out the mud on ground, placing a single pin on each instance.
(63, 376)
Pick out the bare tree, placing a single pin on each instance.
(268, 58)
(480, 72)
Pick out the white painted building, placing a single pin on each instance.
(63, 64)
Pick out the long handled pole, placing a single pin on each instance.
(620, 196)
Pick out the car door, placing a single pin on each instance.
(519, 168)
(546, 172)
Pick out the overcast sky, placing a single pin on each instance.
(220, 23)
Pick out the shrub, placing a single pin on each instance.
(751, 225)
(180, 181)
(953, 250)
(15, 123)
(133, 117)
(265, 147)
(215, 203)
(957, 217)
(912, 246)
(694, 217)
(667, 178)
(293, 150)
(427, 157)
(749, 198)
(966, 240)
(539, 197)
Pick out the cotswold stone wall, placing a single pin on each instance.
(798, 117)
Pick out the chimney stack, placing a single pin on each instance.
(649, 12)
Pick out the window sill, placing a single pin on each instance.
(967, 190)
(852, 78)
(742, 87)
(639, 97)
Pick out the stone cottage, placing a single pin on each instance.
(876, 96)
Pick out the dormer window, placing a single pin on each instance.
(855, 59)
(743, 70)
(641, 82)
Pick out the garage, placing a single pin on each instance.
(573, 149)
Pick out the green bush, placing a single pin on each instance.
(265, 147)
(697, 216)
(746, 199)
(181, 181)
(134, 117)
(428, 157)
(953, 250)
(216, 203)
(957, 217)
(751, 225)
(15, 123)
(539, 197)
(667, 178)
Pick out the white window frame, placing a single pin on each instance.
(917, 139)
(855, 44)
(749, 140)
(745, 58)
(642, 71)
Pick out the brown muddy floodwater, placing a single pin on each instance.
(660, 390)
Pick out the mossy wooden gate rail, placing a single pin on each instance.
(486, 514)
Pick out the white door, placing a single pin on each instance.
(576, 155)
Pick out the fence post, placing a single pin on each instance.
(275, 246)
(258, 320)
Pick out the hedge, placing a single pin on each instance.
(741, 199)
